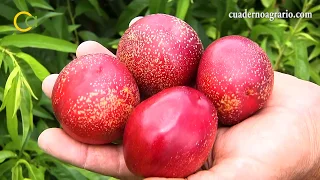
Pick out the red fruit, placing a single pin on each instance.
(236, 74)
(93, 97)
(170, 134)
(161, 51)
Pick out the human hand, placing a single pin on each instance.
(280, 141)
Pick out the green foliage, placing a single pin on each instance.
(27, 58)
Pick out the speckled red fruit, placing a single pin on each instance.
(236, 74)
(170, 134)
(93, 97)
(161, 51)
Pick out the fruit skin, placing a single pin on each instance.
(170, 134)
(93, 97)
(161, 51)
(237, 75)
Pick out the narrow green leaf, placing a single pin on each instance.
(26, 113)
(263, 30)
(6, 166)
(5, 154)
(315, 52)
(267, 3)
(82, 7)
(8, 85)
(40, 112)
(38, 41)
(95, 4)
(7, 11)
(307, 36)
(12, 120)
(15, 172)
(17, 100)
(38, 171)
(1, 93)
(182, 8)
(25, 82)
(72, 28)
(26, 163)
(2, 54)
(5, 28)
(301, 69)
(40, 4)
(264, 43)
(132, 10)
(21, 5)
(157, 6)
(314, 9)
(39, 70)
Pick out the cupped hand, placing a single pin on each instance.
(281, 141)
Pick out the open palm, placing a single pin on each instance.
(278, 142)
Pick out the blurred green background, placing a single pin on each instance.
(26, 58)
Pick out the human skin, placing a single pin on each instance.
(281, 141)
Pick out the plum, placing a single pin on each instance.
(93, 97)
(237, 75)
(170, 134)
(161, 51)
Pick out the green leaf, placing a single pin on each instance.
(95, 4)
(7, 12)
(5, 154)
(12, 120)
(25, 82)
(307, 36)
(315, 76)
(301, 69)
(38, 171)
(132, 10)
(26, 113)
(21, 5)
(315, 52)
(40, 4)
(267, 3)
(30, 170)
(2, 54)
(17, 100)
(72, 28)
(263, 30)
(15, 173)
(182, 8)
(39, 70)
(38, 41)
(40, 112)
(1, 93)
(8, 85)
(82, 7)
(157, 6)
(314, 9)
(5, 28)
(6, 166)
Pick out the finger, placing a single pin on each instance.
(135, 20)
(106, 160)
(91, 47)
(48, 83)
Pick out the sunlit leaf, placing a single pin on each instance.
(9, 83)
(182, 8)
(267, 3)
(6, 166)
(26, 113)
(315, 52)
(5, 154)
(38, 41)
(39, 70)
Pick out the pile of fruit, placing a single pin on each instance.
(163, 94)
